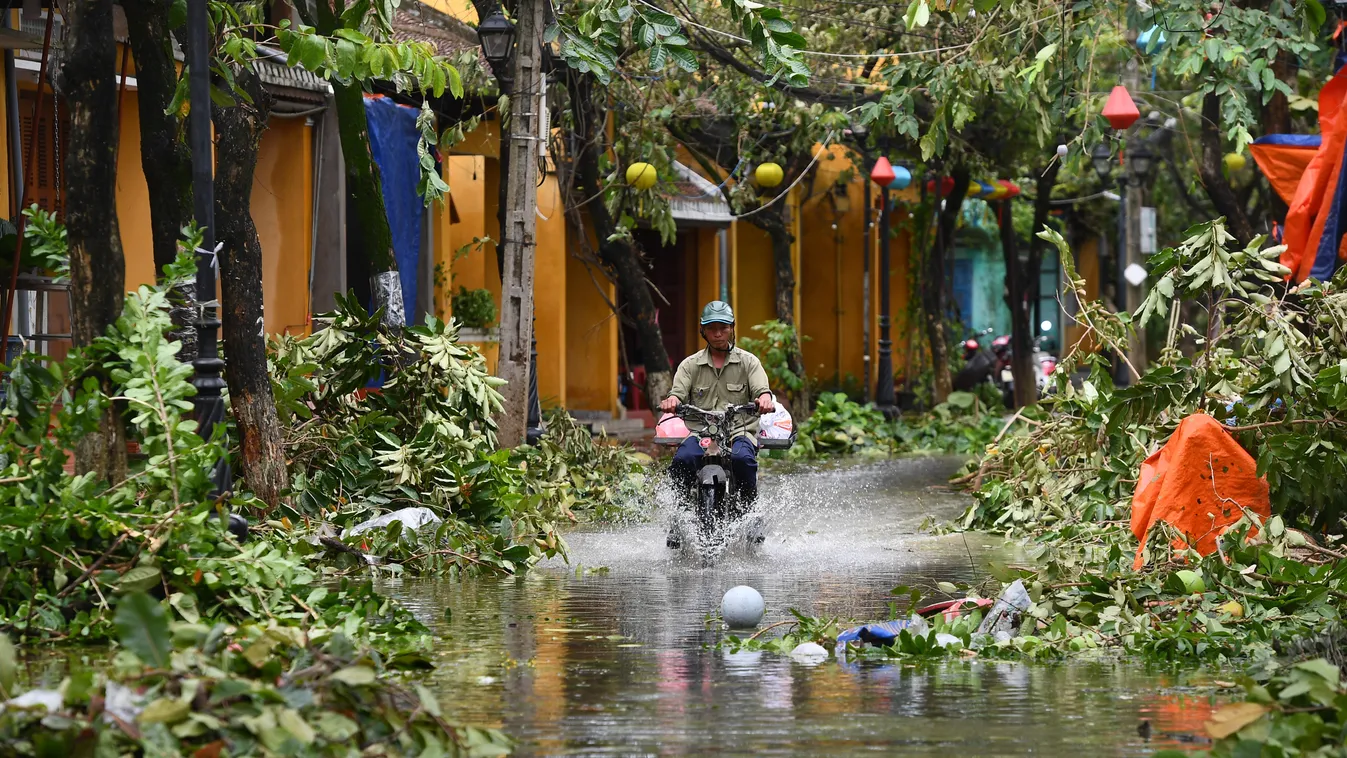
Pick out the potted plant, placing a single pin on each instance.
(475, 311)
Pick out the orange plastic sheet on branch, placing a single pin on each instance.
(1200, 482)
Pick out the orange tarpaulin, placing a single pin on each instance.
(1283, 165)
(1312, 207)
(1199, 482)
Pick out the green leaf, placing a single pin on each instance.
(1314, 13)
(429, 702)
(139, 579)
(165, 711)
(9, 667)
(312, 51)
(290, 720)
(185, 605)
(142, 627)
(355, 675)
(684, 58)
(658, 57)
(177, 14)
(918, 14)
(1321, 668)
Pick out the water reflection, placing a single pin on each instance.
(623, 663)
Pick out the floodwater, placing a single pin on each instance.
(619, 657)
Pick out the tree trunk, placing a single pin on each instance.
(773, 222)
(238, 132)
(1210, 169)
(164, 157)
(619, 256)
(365, 188)
(933, 288)
(97, 269)
(518, 241)
(1022, 287)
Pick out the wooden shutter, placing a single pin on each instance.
(46, 189)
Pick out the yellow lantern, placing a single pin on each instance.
(642, 176)
(1235, 161)
(999, 191)
(768, 174)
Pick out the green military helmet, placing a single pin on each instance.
(717, 312)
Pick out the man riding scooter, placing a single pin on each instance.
(718, 376)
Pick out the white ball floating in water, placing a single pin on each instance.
(1062, 150)
(742, 607)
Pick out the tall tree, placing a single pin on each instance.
(239, 129)
(164, 156)
(1023, 282)
(933, 280)
(620, 259)
(97, 268)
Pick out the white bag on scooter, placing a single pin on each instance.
(776, 425)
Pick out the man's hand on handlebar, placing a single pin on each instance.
(765, 403)
(669, 404)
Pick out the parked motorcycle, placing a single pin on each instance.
(711, 514)
(980, 364)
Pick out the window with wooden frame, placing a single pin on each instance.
(46, 190)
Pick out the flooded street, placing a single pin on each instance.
(614, 654)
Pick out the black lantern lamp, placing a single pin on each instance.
(1102, 160)
(496, 33)
(1143, 164)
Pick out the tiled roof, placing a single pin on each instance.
(415, 22)
(698, 202)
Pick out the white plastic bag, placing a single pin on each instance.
(776, 425)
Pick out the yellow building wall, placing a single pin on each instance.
(7, 200)
(466, 177)
(754, 280)
(459, 9)
(282, 206)
(282, 209)
(133, 197)
(1087, 268)
(549, 294)
(591, 340)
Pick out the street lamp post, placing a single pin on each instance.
(883, 175)
(208, 366)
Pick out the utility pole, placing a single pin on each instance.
(518, 234)
(1136, 351)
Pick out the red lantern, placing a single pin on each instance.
(1012, 189)
(882, 174)
(1120, 111)
(946, 186)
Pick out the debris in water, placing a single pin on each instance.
(1003, 620)
(809, 653)
(742, 607)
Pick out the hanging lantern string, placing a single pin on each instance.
(822, 149)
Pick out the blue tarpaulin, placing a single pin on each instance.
(393, 137)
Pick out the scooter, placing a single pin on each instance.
(980, 364)
(713, 505)
(1043, 364)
